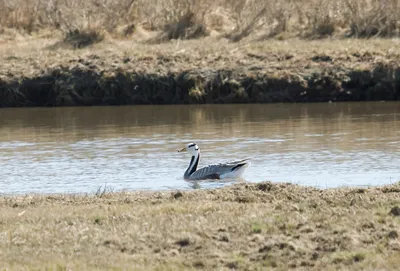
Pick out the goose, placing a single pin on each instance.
(232, 169)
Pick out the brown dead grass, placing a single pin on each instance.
(193, 18)
(245, 226)
(33, 56)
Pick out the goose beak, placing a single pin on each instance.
(182, 150)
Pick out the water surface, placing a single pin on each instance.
(79, 149)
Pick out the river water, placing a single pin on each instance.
(80, 149)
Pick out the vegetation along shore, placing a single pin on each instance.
(173, 52)
(245, 226)
(98, 52)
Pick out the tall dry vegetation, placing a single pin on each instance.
(235, 19)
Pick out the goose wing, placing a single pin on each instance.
(215, 171)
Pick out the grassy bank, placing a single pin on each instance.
(245, 226)
(50, 72)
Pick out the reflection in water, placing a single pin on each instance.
(135, 147)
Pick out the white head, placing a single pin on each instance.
(191, 148)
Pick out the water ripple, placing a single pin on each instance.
(78, 150)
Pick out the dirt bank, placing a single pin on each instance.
(245, 226)
(45, 72)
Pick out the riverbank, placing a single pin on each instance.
(49, 71)
(244, 226)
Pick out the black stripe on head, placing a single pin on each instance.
(191, 145)
(238, 166)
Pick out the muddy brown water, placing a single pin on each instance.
(79, 149)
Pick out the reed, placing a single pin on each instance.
(193, 18)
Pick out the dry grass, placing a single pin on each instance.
(193, 18)
(34, 56)
(245, 226)
(80, 39)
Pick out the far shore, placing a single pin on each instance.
(44, 71)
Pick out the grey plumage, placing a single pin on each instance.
(218, 171)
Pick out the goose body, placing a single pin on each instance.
(232, 169)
